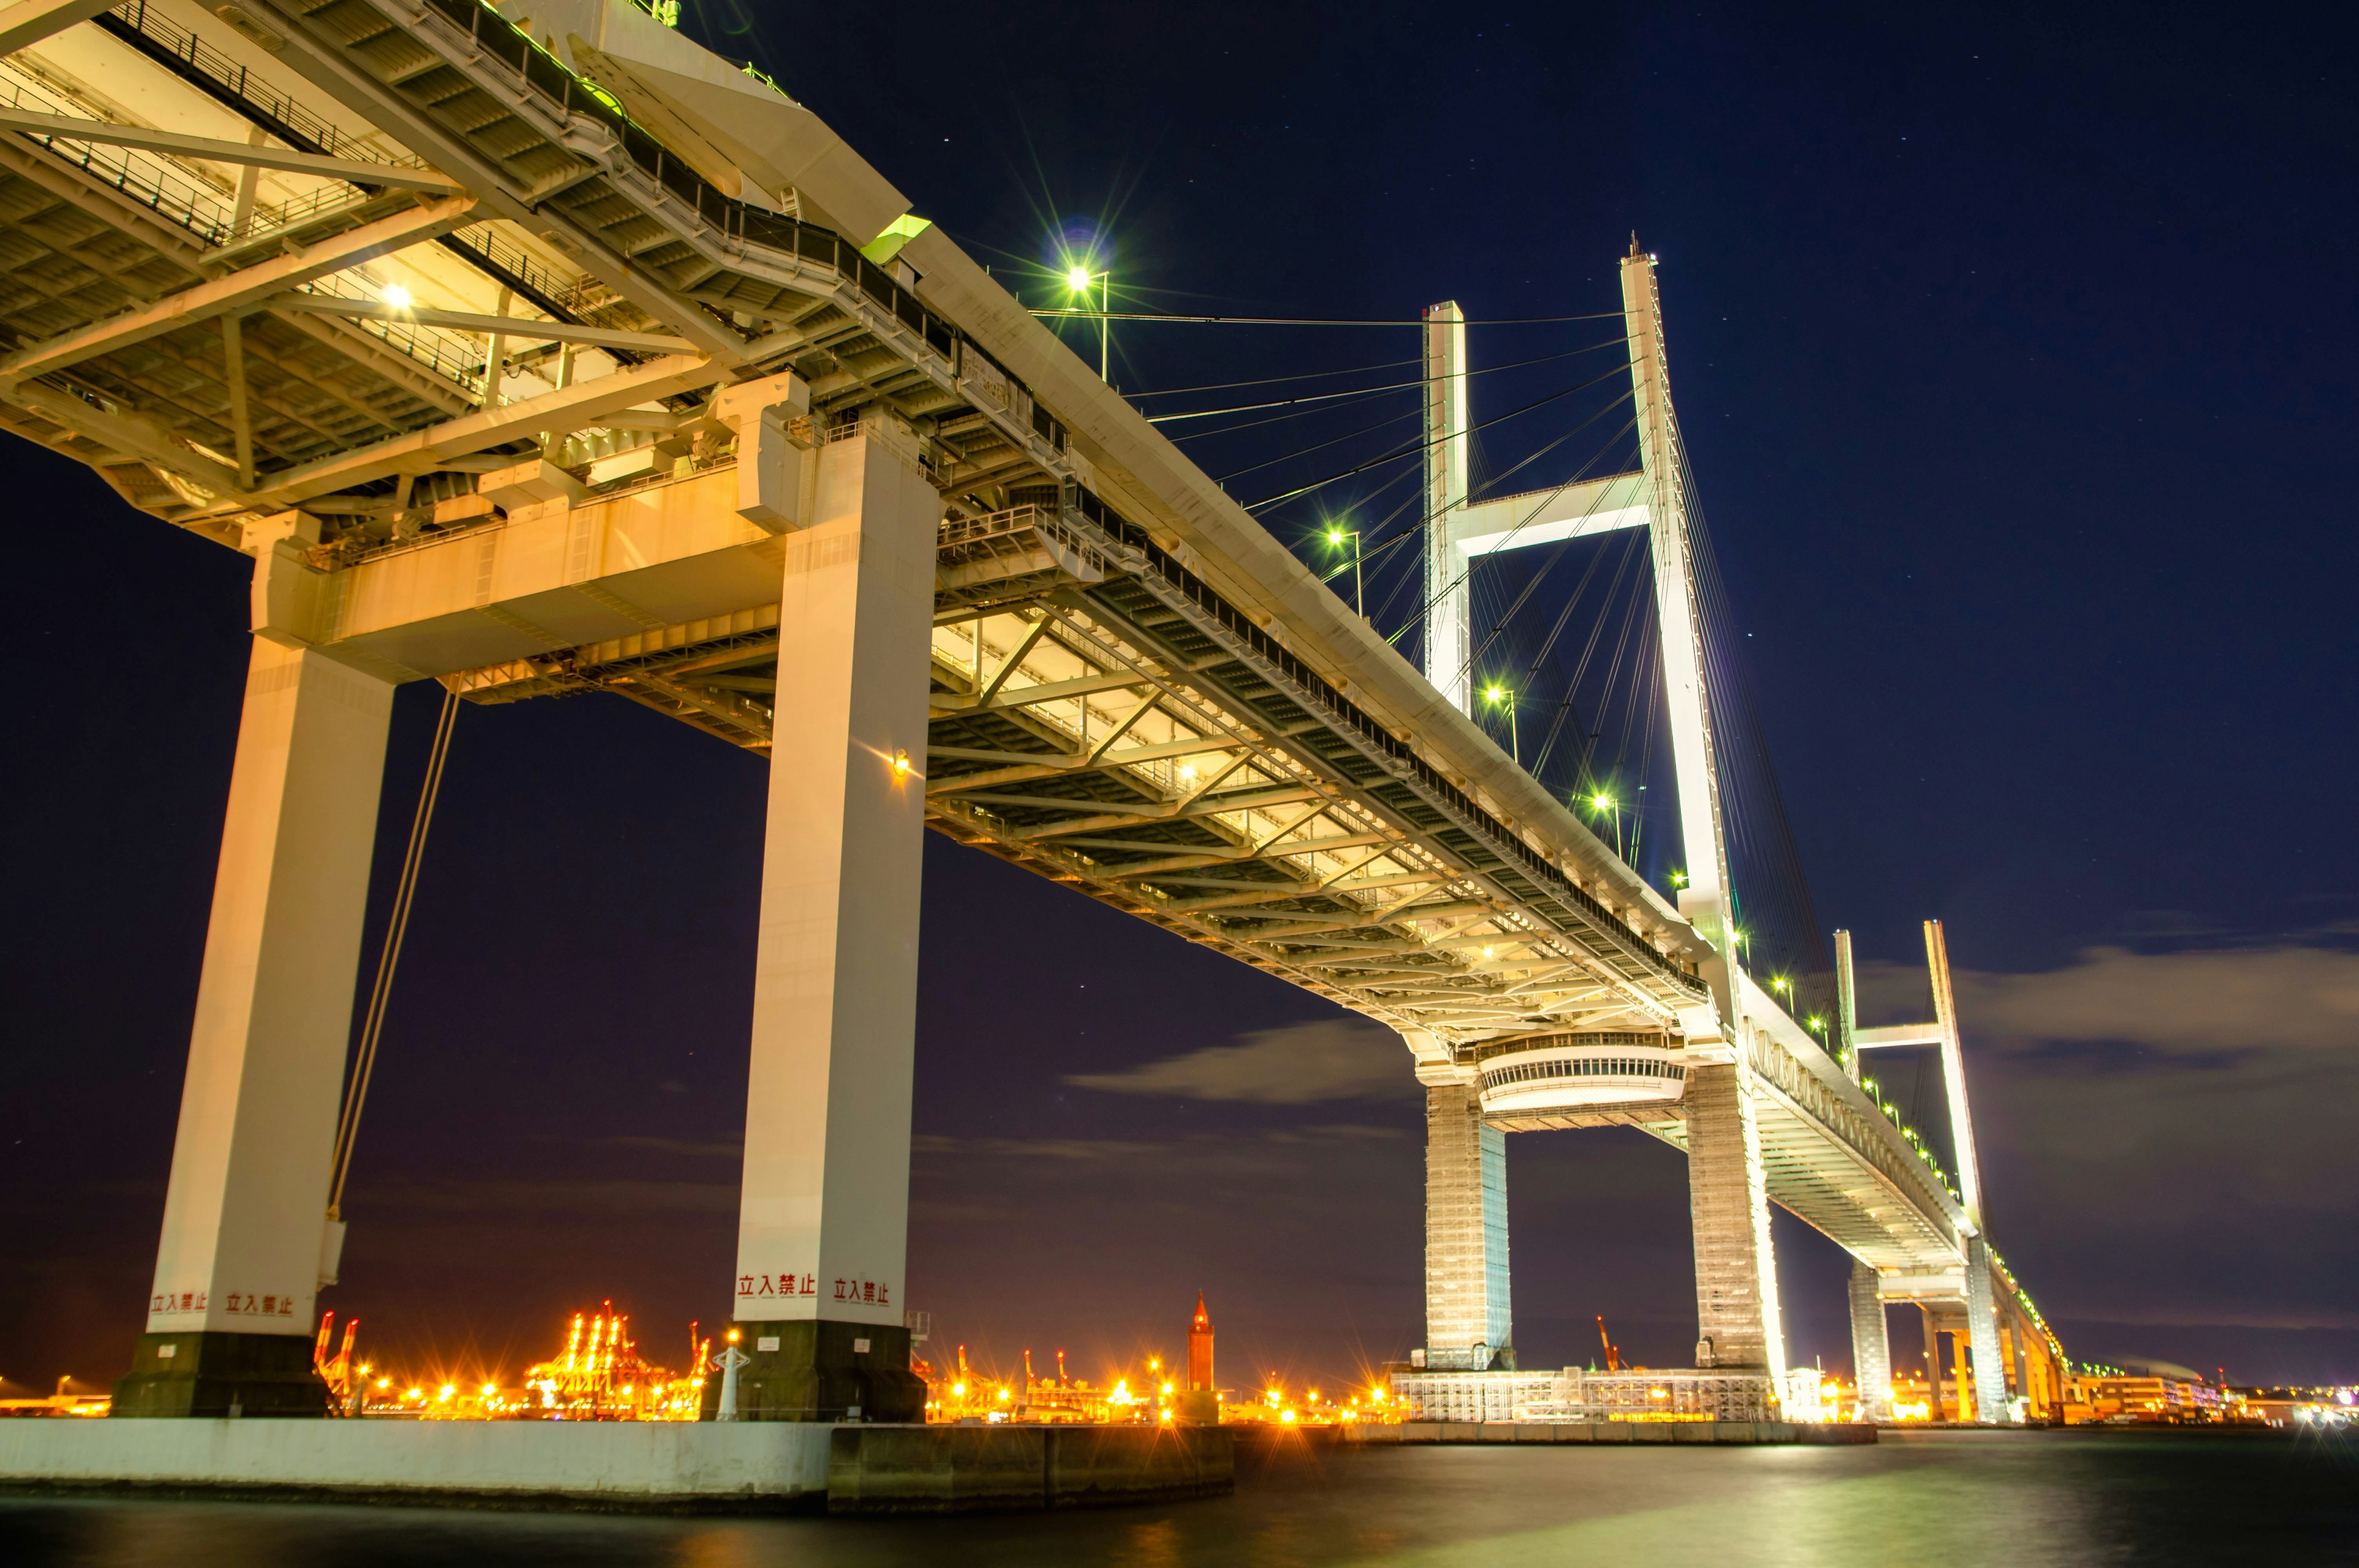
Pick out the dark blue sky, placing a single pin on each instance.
(2013, 348)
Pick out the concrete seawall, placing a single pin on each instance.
(583, 1464)
(1739, 1432)
(958, 1469)
(744, 1466)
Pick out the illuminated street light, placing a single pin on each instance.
(1603, 802)
(1498, 696)
(1335, 537)
(1078, 278)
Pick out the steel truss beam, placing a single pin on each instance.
(211, 150)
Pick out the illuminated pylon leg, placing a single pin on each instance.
(823, 1223)
(1449, 607)
(1468, 1326)
(1871, 1345)
(231, 1313)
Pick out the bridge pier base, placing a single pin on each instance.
(1737, 1322)
(1468, 1326)
(822, 1239)
(244, 1250)
(1871, 1345)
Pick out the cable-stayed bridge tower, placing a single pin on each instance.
(1735, 1265)
(1714, 1054)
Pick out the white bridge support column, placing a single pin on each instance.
(1728, 1203)
(1449, 606)
(1871, 1345)
(1736, 1270)
(823, 1225)
(1468, 1326)
(1982, 1313)
(231, 1315)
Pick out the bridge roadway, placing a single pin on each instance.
(442, 364)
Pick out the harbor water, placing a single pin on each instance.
(1927, 1498)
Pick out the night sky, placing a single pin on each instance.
(2014, 349)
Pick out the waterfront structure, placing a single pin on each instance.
(565, 358)
(1677, 1394)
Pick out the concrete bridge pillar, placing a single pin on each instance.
(823, 1223)
(1981, 1333)
(1467, 1322)
(230, 1314)
(1728, 1203)
(1871, 1345)
(1935, 1407)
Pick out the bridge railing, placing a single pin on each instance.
(1802, 1072)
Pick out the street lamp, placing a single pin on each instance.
(1336, 536)
(1602, 803)
(1078, 279)
(1498, 696)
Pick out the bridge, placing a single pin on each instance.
(537, 351)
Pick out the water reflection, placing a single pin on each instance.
(1962, 1498)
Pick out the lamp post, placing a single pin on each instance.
(731, 1359)
(1602, 801)
(1078, 279)
(1498, 696)
(1359, 596)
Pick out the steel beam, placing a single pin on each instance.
(422, 451)
(29, 21)
(240, 291)
(523, 328)
(212, 150)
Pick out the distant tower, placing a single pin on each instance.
(1200, 1349)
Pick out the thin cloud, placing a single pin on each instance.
(588, 1197)
(2207, 1000)
(1301, 1063)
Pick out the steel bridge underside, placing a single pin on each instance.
(1133, 691)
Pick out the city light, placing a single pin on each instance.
(1337, 538)
(1500, 695)
(1079, 279)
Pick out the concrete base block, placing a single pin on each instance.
(583, 1464)
(1835, 1432)
(823, 1371)
(958, 1469)
(220, 1374)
